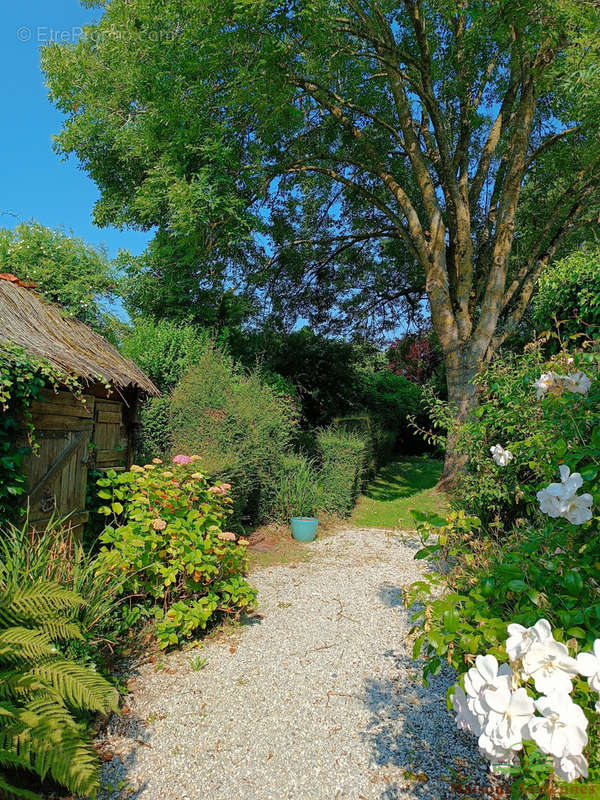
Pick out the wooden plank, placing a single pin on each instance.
(111, 456)
(60, 409)
(66, 398)
(53, 422)
(109, 405)
(58, 463)
(109, 417)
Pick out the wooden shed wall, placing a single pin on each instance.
(73, 436)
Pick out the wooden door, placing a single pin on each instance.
(57, 472)
(110, 440)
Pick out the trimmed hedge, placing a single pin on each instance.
(344, 456)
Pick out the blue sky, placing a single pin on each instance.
(35, 183)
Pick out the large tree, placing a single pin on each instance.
(450, 145)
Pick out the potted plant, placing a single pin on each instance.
(298, 496)
(304, 529)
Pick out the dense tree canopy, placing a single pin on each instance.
(345, 156)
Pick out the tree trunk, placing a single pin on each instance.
(461, 369)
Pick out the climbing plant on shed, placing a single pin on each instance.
(22, 379)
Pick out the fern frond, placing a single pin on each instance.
(42, 600)
(49, 740)
(23, 644)
(79, 686)
(59, 631)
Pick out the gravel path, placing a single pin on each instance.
(318, 700)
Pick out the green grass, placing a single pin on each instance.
(401, 486)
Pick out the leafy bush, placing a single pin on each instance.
(344, 459)
(391, 400)
(65, 269)
(539, 433)
(44, 694)
(164, 350)
(326, 373)
(540, 574)
(167, 541)
(568, 292)
(296, 491)
(156, 432)
(239, 426)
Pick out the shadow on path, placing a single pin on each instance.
(413, 738)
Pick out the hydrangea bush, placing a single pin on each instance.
(166, 541)
(517, 611)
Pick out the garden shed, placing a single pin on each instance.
(73, 434)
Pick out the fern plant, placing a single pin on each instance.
(43, 694)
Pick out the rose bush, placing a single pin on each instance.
(166, 543)
(532, 415)
(513, 603)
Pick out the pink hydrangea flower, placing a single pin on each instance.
(181, 459)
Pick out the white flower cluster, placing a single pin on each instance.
(497, 706)
(577, 382)
(500, 455)
(561, 499)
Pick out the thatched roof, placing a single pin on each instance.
(41, 329)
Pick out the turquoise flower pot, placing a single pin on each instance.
(304, 529)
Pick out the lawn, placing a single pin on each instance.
(401, 486)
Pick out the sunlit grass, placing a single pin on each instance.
(401, 486)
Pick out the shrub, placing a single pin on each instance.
(239, 426)
(44, 695)
(167, 540)
(568, 292)
(541, 575)
(539, 433)
(156, 439)
(326, 373)
(54, 555)
(164, 349)
(296, 491)
(344, 456)
(391, 400)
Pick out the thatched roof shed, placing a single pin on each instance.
(41, 329)
(98, 428)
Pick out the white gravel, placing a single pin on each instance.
(318, 700)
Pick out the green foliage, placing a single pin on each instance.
(230, 176)
(65, 269)
(549, 571)
(156, 431)
(541, 433)
(326, 373)
(391, 400)
(240, 426)
(164, 350)
(43, 695)
(167, 542)
(54, 554)
(296, 490)
(22, 379)
(520, 565)
(568, 292)
(344, 459)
